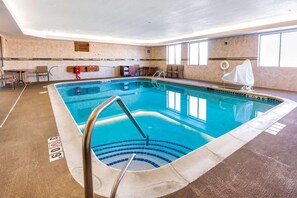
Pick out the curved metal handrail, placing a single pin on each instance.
(158, 74)
(155, 74)
(120, 176)
(86, 141)
(162, 72)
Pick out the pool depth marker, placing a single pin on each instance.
(55, 149)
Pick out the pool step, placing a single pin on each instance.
(156, 154)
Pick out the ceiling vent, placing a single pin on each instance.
(81, 46)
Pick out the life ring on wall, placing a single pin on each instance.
(224, 65)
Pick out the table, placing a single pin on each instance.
(22, 74)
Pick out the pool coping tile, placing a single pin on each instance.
(196, 163)
(225, 145)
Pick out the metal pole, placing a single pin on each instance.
(86, 147)
(120, 176)
(127, 112)
(86, 141)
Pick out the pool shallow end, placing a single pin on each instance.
(168, 178)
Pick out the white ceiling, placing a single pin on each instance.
(143, 22)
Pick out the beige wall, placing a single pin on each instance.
(237, 48)
(21, 48)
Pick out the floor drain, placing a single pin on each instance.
(275, 128)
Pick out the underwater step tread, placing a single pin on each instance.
(136, 152)
(138, 144)
(137, 148)
(137, 140)
(135, 159)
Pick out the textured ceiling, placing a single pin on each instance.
(141, 21)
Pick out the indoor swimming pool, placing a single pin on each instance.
(178, 119)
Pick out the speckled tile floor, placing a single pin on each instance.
(25, 169)
(7, 99)
(265, 167)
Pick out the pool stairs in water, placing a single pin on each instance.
(148, 150)
(153, 155)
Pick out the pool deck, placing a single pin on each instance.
(264, 167)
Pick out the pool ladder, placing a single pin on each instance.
(86, 146)
(158, 74)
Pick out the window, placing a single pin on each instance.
(197, 107)
(278, 49)
(173, 100)
(269, 50)
(288, 50)
(174, 54)
(198, 53)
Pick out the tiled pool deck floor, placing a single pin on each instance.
(264, 167)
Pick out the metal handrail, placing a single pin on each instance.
(86, 141)
(120, 176)
(159, 74)
(162, 72)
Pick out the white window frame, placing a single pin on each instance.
(175, 58)
(189, 53)
(280, 49)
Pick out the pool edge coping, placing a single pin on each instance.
(173, 176)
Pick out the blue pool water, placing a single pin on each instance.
(178, 119)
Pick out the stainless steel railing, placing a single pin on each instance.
(86, 142)
(120, 176)
(158, 74)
